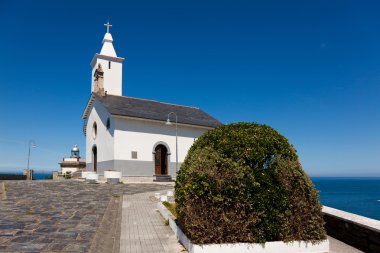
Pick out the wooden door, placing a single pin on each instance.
(157, 161)
(161, 160)
(95, 159)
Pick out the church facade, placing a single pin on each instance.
(138, 137)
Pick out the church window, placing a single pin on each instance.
(108, 125)
(109, 65)
(134, 154)
(94, 130)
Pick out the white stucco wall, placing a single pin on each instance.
(112, 77)
(69, 169)
(115, 145)
(104, 139)
(142, 135)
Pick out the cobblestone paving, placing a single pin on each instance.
(56, 216)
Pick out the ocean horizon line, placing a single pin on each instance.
(21, 171)
(45, 171)
(345, 177)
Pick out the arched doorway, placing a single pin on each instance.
(161, 160)
(95, 159)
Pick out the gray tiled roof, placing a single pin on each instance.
(154, 110)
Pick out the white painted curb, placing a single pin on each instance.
(85, 173)
(112, 174)
(92, 176)
(268, 247)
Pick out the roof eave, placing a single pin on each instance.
(88, 106)
(156, 120)
(106, 57)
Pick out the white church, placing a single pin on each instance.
(138, 137)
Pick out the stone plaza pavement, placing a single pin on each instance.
(64, 216)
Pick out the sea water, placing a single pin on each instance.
(41, 175)
(355, 195)
(37, 175)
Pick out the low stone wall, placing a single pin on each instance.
(12, 177)
(358, 231)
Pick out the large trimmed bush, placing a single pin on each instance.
(243, 183)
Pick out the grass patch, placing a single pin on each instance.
(171, 207)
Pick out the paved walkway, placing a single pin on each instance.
(143, 229)
(60, 216)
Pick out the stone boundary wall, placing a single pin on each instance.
(12, 177)
(360, 232)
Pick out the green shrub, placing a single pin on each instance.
(171, 207)
(243, 183)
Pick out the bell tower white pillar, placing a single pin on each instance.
(111, 66)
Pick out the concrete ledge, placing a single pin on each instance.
(358, 231)
(268, 247)
(134, 179)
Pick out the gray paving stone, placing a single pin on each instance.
(48, 216)
(24, 239)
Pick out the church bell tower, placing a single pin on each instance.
(107, 68)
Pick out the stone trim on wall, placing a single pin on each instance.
(358, 231)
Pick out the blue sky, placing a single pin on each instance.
(309, 69)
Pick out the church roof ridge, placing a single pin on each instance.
(152, 100)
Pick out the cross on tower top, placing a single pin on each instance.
(108, 25)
